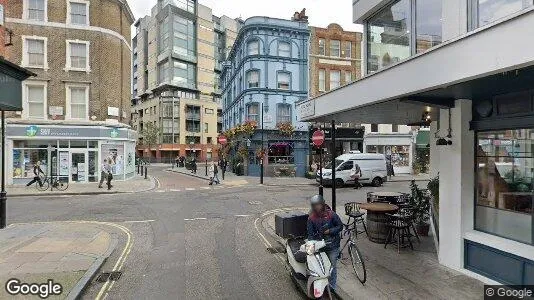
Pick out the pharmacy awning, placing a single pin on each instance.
(11, 78)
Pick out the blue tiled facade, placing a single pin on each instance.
(268, 65)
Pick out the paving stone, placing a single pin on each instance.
(36, 267)
(75, 265)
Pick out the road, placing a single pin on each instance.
(189, 240)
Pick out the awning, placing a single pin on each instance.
(422, 140)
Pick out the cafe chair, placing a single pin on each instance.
(352, 210)
(407, 211)
(398, 229)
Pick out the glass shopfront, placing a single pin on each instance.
(400, 154)
(505, 184)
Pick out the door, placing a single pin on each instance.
(78, 167)
(345, 170)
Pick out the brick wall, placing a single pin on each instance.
(2, 32)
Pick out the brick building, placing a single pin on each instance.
(76, 109)
(2, 27)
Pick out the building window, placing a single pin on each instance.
(206, 127)
(488, 11)
(504, 173)
(388, 35)
(428, 24)
(322, 85)
(184, 37)
(335, 79)
(208, 111)
(35, 52)
(283, 113)
(253, 47)
(253, 112)
(335, 48)
(35, 98)
(78, 12)
(283, 80)
(374, 127)
(184, 74)
(348, 77)
(321, 47)
(164, 34)
(253, 79)
(77, 102)
(35, 10)
(284, 49)
(163, 72)
(78, 56)
(347, 49)
(187, 5)
(394, 128)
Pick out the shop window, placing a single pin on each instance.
(78, 56)
(35, 10)
(281, 153)
(78, 12)
(25, 159)
(505, 177)
(77, 102)
(374, 127)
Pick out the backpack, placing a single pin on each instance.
(215, 170)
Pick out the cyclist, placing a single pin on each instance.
(324, 223)
(37, 171)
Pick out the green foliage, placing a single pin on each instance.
(421, 161)
(420, 203)
(433, 188)
(150, 134)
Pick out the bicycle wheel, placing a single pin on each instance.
(61, 185)
(44, 187)
(357, 263)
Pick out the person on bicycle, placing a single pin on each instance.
(324, 223)
(36, 174)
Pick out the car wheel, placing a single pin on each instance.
(377, 182)
(339, 183)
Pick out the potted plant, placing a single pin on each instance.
(420, 203)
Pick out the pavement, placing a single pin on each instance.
(134, 185)
(69, 253)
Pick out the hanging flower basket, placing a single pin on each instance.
(249, 127)
(285, 128)
(242, 152)
(260, 153)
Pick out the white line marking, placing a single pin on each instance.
(242, 216)
(160, 191)
(205, 188)
(195, 219)
(143, 221)
(190, 189)
(175, 190)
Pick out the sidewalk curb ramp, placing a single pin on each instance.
(86, 279)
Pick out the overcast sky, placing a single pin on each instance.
(321, 12)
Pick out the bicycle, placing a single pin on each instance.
(54, 183)
(356, 257)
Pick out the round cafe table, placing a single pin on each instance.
(377, 220)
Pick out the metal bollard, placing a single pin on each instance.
(146, 172)
(206, 168)
(137, 168)
(142, 170)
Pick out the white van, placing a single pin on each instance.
(373, 168)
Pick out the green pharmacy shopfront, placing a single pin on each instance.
(73, 152)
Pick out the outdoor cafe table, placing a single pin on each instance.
(391, 197)
(377, 220)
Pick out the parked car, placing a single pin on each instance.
(373, 168)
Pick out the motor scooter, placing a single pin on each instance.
(310, 267)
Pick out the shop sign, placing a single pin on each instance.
(307, 109)
(55, 110)
(113, 111)
(35, 131)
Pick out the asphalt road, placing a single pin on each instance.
(198, 243)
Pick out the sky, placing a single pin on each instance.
(320, 12)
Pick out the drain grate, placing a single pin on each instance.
(274, 250)
(109, 276)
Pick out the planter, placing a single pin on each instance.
(422, 229)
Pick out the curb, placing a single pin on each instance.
(58, 193)
(77, 290)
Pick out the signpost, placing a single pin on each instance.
(222, 140)
(318, 141)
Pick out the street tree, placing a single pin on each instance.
(150, 134)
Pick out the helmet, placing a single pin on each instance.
(317, 199)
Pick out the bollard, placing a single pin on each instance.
(206, 168)
(146, 172)
(141, 170)
(138, 169)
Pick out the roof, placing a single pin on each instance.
(14, 70)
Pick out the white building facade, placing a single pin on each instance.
(469, 66)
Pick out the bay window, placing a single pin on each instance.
(253, 110)
(184, 37)
(253, 79)
(253, 47)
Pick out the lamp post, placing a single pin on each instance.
(248, 143)
(262, 152)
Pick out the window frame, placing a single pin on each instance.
(278, 116)
(25, 11)
(69, 12)
(247, 76)
(257, 116)
(25, 57)
(25, 102)
(68, 62)
(68, 100)
(347, 49)
(473, 14)
(330, 79)
(323, 52)
(278, 80)
(289, 52)
(323, 88)
(249, 43)
(332, 42)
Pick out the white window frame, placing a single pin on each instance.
(68, 109)
(25, 15)
(322, 83)
(25, 59)
(87, 60)
(347, 52)
(25, 103)
(280, 43)
(278, 80)
(338, 54)
(69, 21)
(323, 52)
(249, 43)
(332, 72)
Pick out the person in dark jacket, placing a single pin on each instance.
(37, 171)
(324, 223)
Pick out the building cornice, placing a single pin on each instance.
(70, 26)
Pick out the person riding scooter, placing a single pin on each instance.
(324, 223)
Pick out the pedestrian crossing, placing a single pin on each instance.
(202, 188)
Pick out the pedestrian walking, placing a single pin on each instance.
(215, 173)
(212, 173)
(223, 165)
(194, 166)
(177, 161)
(105, 174)
(37, 171)
(356, 174)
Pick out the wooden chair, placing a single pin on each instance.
(398, 228)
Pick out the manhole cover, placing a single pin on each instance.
(103, 277)
(112, 276)
(255, 203)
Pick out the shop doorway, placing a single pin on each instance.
(78, 166)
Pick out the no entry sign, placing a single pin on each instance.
(222, 140)
(318, 138)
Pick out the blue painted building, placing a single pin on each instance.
(268, 67)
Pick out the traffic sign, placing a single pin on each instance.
(222, 140)
(318, 138)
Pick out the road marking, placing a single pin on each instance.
(143, 221)
(158, 184)
(205, 188)
(242, 216)
(190, 189)
(160, 191)
(175, 190)
(195, 219)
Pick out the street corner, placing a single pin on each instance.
(54, 260)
